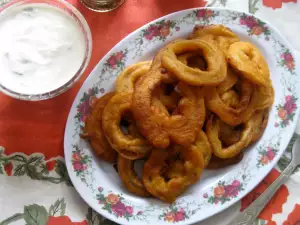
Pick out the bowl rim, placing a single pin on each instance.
(88, 49)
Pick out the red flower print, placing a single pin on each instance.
(77, 166)
(177, 28)
(236, 183)
(289, 106)
(243, 21)
(112, 61)
(288, 57)
(92, 101)
(275, 4)
(230, 191)
(282, 113)
(152, 31)
(209, 13)
(275, 205)
(179, 216)
(50, 165)
(257, 30)
(164, 31)
(119, 209)
(100, 189)
(84, 110)
(76, 157)
(64, 220)
(290, 65)
(102, 90)
(264, 160)
(119, 56)
(251, 22)
(129, 210)
(294, 217)
(170, 217)
(205, 195)
(270, 155)
(200, 13)
(8, 167)
(112, 199)
(219, 191)
(288, 98)
(83, 118)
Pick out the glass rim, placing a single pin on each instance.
(88, 51)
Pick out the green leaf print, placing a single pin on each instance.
(58, 208)
(253, 6)
(35, 215)
(94, 218)
(259, 222)
(62, 171)
(20, 170)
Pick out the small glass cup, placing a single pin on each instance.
(102, 5)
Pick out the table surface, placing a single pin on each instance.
(33, 176)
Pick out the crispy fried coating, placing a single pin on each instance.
(217, 34)
(260, 119)
(212, 132)
(168, 186)
(214, 57)
(247, 59)
(130, 178)
(128, 147)
(94, 133)
(233, 114)
(160, 128)
(126, 80)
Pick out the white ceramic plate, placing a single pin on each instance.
(98, 182)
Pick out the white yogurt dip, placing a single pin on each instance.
(41, 48)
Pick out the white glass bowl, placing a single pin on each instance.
(77, 16)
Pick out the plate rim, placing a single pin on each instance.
(250, 187)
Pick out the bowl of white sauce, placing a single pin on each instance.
(45, 46)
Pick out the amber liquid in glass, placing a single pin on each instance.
(102, 5)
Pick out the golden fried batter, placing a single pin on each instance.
(94, 133)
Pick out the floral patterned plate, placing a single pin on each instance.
(98, 182)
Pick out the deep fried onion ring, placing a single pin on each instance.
(218, 34)
(217, 163)
(128, 147)
(216, 64)
(168, 188)
(264, 97)
(193, 59)
(93, 131)
(260, 119)
(232, 116)
(126, 80)
(203, 145)
(247, 59)
(167, 95)
(160, 128)
(212, 132)
(129, 177)
(229, 82)
(229, 135)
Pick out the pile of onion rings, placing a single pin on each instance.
(197, 105)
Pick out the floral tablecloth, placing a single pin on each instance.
(35, 188)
